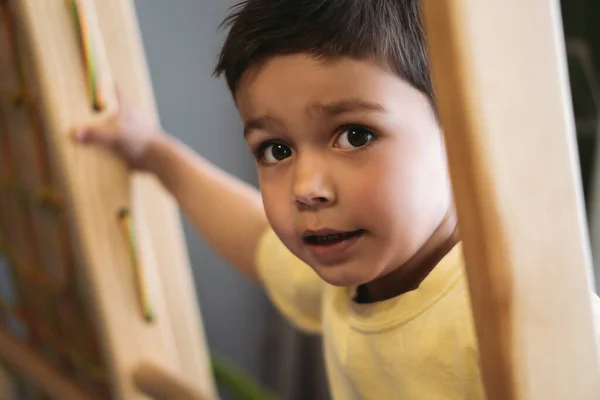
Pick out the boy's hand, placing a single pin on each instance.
(128, 133)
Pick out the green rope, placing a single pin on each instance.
(89, 55)
(231, 378)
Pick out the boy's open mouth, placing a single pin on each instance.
(326, 237)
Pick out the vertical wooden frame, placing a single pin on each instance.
(96, 186)
(157, 214)
(500, 75)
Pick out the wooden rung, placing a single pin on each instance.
(162, 385)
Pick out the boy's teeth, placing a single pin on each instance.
(329, 238)
(325, 239)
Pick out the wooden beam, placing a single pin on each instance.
(96, 186)
(29, 364)
(156, 212)
(501, 79)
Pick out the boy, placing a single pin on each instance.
(355, 236)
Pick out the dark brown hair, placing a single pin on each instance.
(389, 32)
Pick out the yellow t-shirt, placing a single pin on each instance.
(418, 346)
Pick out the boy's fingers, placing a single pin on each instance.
(92, 134)
(83, 134)
(97, 132)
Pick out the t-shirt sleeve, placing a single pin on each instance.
(294, 288)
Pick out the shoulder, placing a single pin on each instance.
(293, 286)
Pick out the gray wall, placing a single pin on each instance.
(182, 40)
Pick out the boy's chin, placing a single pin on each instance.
(345, 275)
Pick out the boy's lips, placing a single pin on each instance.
(329, 244)
(324, 232)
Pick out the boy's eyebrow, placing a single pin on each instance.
(345, 106)
(261, 123)
(331, 109)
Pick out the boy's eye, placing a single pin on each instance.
(354, 137)
(275, 152)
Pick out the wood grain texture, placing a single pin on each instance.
(500, 76)
(97, 185)
(157, 214)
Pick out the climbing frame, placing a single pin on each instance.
(41, 303)
(94, 275)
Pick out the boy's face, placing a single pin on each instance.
(350, 161)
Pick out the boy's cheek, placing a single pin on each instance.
(375, 191)
(278, 212)
(390, 202)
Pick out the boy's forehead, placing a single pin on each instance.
(300, 82)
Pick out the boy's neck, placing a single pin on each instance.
(409, 276)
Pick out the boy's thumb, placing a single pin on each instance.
(88, 134)
(80, 134)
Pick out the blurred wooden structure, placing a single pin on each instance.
(94, 275)
(500, 73)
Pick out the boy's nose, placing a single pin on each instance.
(311, 202)
(313, 190)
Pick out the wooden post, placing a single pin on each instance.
(500, 75)
(125, 233)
